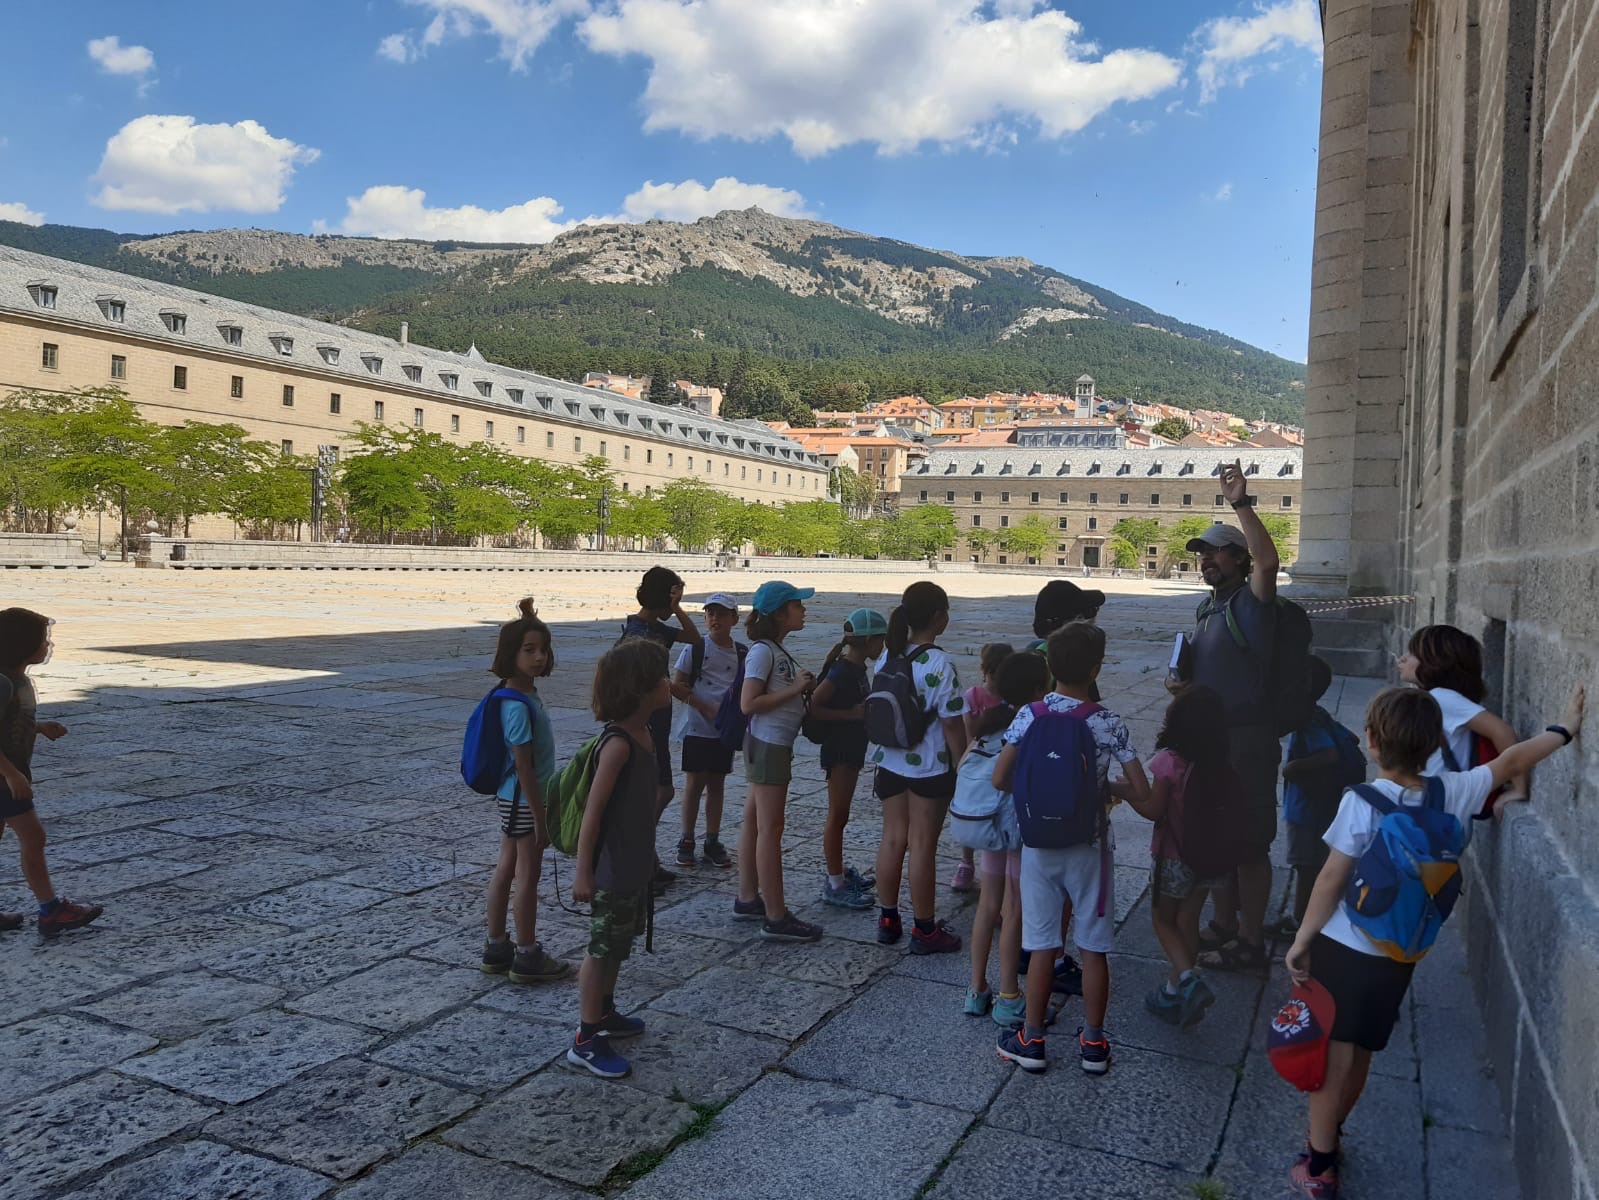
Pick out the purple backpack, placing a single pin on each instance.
(1056, 781)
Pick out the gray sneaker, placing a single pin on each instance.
(789, 928)
(536, 966)
(849, 894)
(497, 957)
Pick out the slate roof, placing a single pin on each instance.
(1177, 462)
(84, 294)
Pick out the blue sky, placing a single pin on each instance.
(1165, 149)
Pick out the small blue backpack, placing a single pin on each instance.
(483, 748)
(1056, 781)
(1406, 883)
(731, 724)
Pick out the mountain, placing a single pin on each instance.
(809, 312)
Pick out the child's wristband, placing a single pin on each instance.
(1561, 730)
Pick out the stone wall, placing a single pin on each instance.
(43, 550)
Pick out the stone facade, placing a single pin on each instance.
(1453, 432)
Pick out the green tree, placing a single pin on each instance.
(862, 537)
(924, 531)
(1029, 537)
(1138, 532)
(663, 388)
(1180, 534)
(855, 490)
(1283, 530)
(639, 518)
(1123, 553)
(275, 493)
(981, 541)
(1172, 428)
(689, 506)
(809, 528)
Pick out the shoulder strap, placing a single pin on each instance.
(1451, 763)
(1435, 793)
(1236, 633)
(696, 661)
(743, 650)
(505, 693)
(1375, 798)
(1085, 710)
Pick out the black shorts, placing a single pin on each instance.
(706, 756)
(933, 787)
(1367, 989)
(1255, 755)
(847, 750)
(10, 806)
(661, 735)
(1306, 850)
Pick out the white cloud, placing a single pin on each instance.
(20, 213)
(691, 199)
(1227, 45)
(1221, 195)
(520, 26)
(400, 212)
(1139, 128)
(116, 59)
(171, 164)
(895, 73)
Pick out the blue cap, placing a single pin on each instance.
(772, 595)
(866, 622)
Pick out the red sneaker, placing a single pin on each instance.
(1317, 1187)
(67, 915)
(939, 941)
(889, 930)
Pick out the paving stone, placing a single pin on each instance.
(1466, 1163)
(1223, 1036)
(48, 1051)
(957, 1067)
(409, 873)
(341, 1120)
(111, 846)
(50, 974)
(753, 1002)
(676, 955)
(395, 994)
(310, 903)
(209, 826)
(558, 1001)
(248, 1056)
(431, 1172)
(111, 879)
(253, 874)
(178, 943)
(463, 945)
(1153, 1107)
(691, 1060)
(313, 958)
(208, 1170)
(1031, 1167)
(835, 961)
(1383, 1139)
(573, 1126)
(805, 1139)
(478, 1048)
(48, 1142)
(1458, 1085)
(707, 914)
(179, 1006)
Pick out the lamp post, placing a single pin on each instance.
(604, 511)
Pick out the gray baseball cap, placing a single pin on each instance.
(1217, 536)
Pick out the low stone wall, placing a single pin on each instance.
(192, 554)
(38, 550)
(798, 569)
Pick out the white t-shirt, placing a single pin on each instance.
(933, 674)
(716, 676)
(776, 666)
(1355, 827)
(1458, 713)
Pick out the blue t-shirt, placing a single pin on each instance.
(519, 731)
(849, 691)
(1238, 674)
(1303, 799)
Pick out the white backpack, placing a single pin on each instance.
(981, 816)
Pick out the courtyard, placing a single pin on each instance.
(282, 1000)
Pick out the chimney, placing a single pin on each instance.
(405, 333)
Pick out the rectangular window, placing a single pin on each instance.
(1093, 497)
(236, 387)
(50, 358)
(1123, 499)
(455, 422)
(180, 378)
(1220, 501)
(924, 497)
(1004, 522)
(1154, 497)
(119, 366)
(627, 452)
(649, 455)
(1153, 551)
(1093, 523)
(116, 310)
(488, 429)
(288, 395)
(416, 417)
(335, 402)
(451, 382)
(604, 451)
(288, 446)
(690, 462)
(232, 335)
(377, 410)
(175, 322)
(1004, 497)
(1063, 523)
(1065, 498)
(412, 372)
(521, 433)
(1035, 497)
(1288, 501)
(949, 497)
(577, 445)
(977, 497)
(549, 440)
(1188, 498)
(46, 297)
(977, 520)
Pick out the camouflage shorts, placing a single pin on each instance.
(618, 918)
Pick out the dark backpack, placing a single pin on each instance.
(895, 716)
(1351, 758)
(1210, 838)
(1287, 697)
(483, 747)
(731, 723)
(1405, 885)
(1056, 780)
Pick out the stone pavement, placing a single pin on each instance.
(282, 1000)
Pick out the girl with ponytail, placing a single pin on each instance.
(837, 714)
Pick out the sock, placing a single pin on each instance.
(1093, 1033)
(924, 927)
(1167, 989)
(836, 881)
(1321, 1163)
(501, 940)
(608, 1003)
(1188, 976)
(711, 839)
(1033, 1033)
(890, 914)
(586, 1030)
(527, 949)
(1010, 995)
(46, 907)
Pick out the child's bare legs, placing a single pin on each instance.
(1164, 918)
(693, 786)
(990, 903)
(1010, 937)
(715, 791)
(499, 897)
(891, 851)
(30, 841)
(769, 800)
(749, 879)
(525, 899)
(1040, 980)
(596, 979)
(1330, 1106)
(841, 783)
(925, 824)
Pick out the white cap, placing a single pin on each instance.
(722, 600)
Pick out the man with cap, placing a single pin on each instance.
(702, 674)
(1239, 563)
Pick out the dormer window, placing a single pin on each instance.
(515, 394)
(373, 363)
(175, 322)
(484, 387)
(450, 380)
(113, 308)
(597, 411)
(282, 343)
(1252, 469)
(1093, 468)
(232, 335)
(572, 407)
(44, 294)
(412, 372)
(544, 399)
(330, 354)
(646, 422)
(666, 427)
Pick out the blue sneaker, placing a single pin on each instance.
(1011, 1012)
(978, 1003)
(597, 1056)
(849, 894)
(614, 1025)
(1095, 1055)
(1196, 998)
(1015, 1046)
(1168, 1006)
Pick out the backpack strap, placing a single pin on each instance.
(1085, 710)
(1209, 608)
(696, 666)
(1435, 794)
(508, 693)
(1375, 798)
(1451, 763)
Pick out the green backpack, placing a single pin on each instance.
(568, 793)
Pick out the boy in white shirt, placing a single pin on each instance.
(706, 761)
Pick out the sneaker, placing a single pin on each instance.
(663, 877)
(868, 883)
(536, 966)
(1068, 979)
(1319, 1187)
(889, 930)
(1196, 998)
(1010, 1012)
(978, 1003)
(597, 1056)
(10, 921)
(789, 928)
(1168, 1006)
(1028, 1055)
(749, 910)
(848, 894)
(497, 957)
(1095, 1055)
(685, 853)
(939, 941)
(614, 1025)
(716, 854)
(962, 880)
(65, 915)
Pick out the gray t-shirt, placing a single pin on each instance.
(1236, 673)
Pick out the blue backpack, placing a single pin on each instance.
(1406, 883)
(483, 748)
(1056, 781)
(731, 724)
(1351, 758)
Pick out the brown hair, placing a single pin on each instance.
(991, 655)
(511, 635)
(22, 632)
(762, 627)
(1074, 651)
(627, 673)
(1195, 728)
(1449, 658)
(1405, 726)
(919, 606)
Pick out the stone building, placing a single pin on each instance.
(1082, 493)
(183, 355)
(1452, 452)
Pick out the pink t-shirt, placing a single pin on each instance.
(979, 700)
(1166, 765)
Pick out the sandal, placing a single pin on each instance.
(1235, 955)
(1213, 937)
